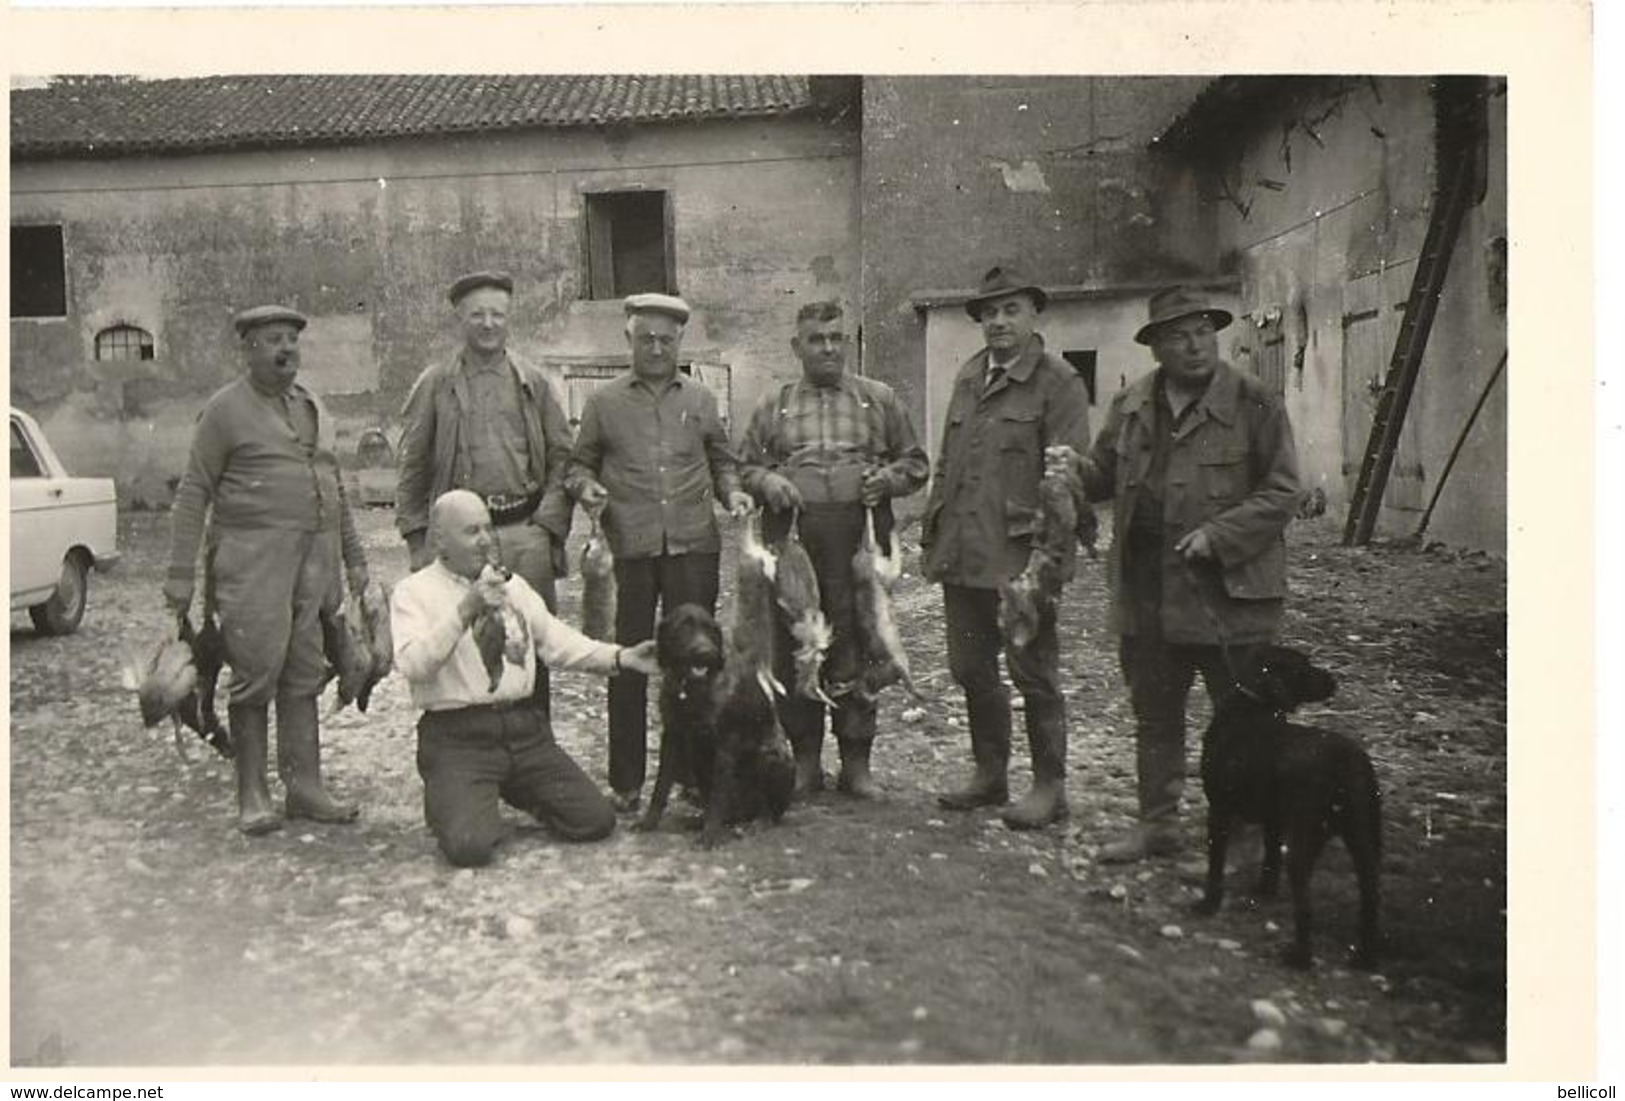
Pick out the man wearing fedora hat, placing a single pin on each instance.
(1010, 401)
(487, 420)
(264, 473)
(1200, 461)
(651, 459)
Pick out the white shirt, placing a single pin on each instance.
(437, 653)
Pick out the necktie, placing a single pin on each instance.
(994, 374)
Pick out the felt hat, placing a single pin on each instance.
(265, 315)
(474, 280)
(667, 304)
(1001, 282)
(1173, 303)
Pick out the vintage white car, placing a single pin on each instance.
(62, 527)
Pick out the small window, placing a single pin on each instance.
(39, 281)
(24, 463)
(1083, 362)
(628, 244)
(123, 342)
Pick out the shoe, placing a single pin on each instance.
(1043, 805)
(1140, 842)
(983, 790)
(626, 802)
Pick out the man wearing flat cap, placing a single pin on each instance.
(1200, 461)
(264, 475)
(650, 460)
(1010, 401)
(487, 420)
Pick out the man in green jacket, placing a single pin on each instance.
(487, 421)
(264, 473)
(1010, 402)
(1200, 461)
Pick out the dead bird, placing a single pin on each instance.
(499, 633)
(875, 571)
(162, 681)
(197, 709)
(1024, 599)
(597, 583)
(374, 614)
(349, 653)
(751, 630)
(795, 590)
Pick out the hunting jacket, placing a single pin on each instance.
(431, 441)
(1233, 470)
(983, 509)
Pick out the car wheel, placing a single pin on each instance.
(61, 614)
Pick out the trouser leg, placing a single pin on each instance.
(462, 767)
(971, 618)
(1036, 671)
(1159, 678)
(548, 785)
(527, 549)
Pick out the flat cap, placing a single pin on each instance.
(474, 280)
(265, 315)
(670, 305)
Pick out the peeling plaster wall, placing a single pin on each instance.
(365, 240)
(1326, 230)
(960, 173)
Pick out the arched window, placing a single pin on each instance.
(124, 342)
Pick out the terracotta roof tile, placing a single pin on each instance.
(120, 117)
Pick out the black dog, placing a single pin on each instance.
(1304, 785)
(718, 721)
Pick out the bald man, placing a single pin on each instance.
(483, 735)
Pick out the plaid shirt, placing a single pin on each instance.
(823, 438)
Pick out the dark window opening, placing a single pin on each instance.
(24, 463)
(124, 342)
(39, 281)
(628, 244)
(1083, 362)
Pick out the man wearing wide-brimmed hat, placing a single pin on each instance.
(651, 459)
(1010, 401)
(1200, 462)
(263, 459)
(487, 420)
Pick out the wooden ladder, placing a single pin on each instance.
(1444, 226)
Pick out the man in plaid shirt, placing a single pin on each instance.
(827, 448)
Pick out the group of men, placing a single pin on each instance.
(1198, 458)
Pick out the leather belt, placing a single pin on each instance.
(511, 508)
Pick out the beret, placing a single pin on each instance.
(670, 305)
(265, 315)
(474, 280)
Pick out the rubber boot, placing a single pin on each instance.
(299, 763)
(256, 814)
(989, 785)
(856, 780)
(1046, 737)
(809, 770)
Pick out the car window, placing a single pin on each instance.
(24, 463)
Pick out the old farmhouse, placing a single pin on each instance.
(144, 213)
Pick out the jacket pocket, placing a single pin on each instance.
(1020, 453)
(1261, 577)
(1020, 520)
(1223, 473)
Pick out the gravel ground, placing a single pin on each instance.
(145, 931)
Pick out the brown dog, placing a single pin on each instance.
(1303, 784)
(717, 716)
